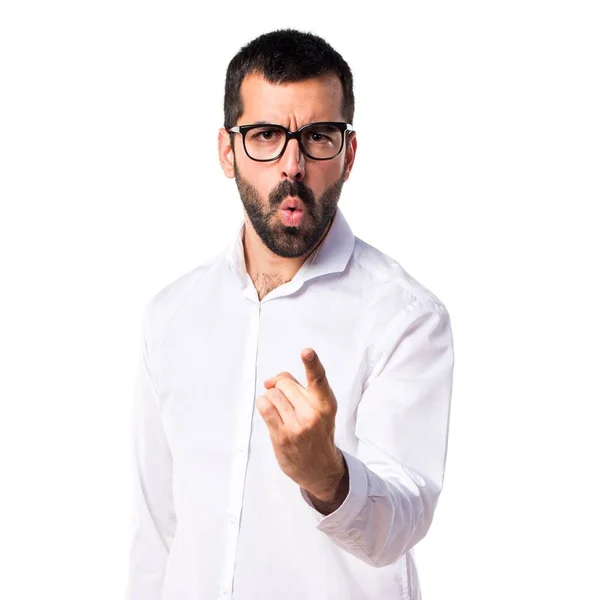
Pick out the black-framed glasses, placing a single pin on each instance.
(266, 141)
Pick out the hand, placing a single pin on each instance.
(301, 424)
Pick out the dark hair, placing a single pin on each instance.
(285, 56)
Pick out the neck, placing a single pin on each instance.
(266, 269)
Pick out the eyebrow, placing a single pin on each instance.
(280, 125)
(266, 123)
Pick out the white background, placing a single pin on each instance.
(477, 169)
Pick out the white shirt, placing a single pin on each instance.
(215, 518)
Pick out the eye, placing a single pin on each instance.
(265, 135)
(320, 135)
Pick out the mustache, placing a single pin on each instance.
(291, 188)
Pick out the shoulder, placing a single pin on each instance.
(386, 283)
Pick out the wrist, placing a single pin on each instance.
(329, 495)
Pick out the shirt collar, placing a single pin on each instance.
(331, 256)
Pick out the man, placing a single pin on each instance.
(292, 404)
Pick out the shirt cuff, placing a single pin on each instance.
(355, 500)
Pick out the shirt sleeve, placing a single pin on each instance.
(154, 521)
(402, 429)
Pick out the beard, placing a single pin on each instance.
(284, 241)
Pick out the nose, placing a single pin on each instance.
(292, 161)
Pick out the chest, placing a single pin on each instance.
(211, 368)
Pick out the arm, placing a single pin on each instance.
(154, 522)
(402, 426)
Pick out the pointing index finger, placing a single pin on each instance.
(315, 371)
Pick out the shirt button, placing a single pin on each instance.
(231, 520)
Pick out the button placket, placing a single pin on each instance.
(245, 411)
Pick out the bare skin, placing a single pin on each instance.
(267, 282)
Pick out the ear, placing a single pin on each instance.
(226, 153)
(350, 153)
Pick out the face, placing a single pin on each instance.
(263, 187)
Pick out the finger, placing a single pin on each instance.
(295, 393)
(283, 406)
(316, 377)
(269, 413)
(270, 383)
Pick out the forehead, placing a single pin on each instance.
(315, 99)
